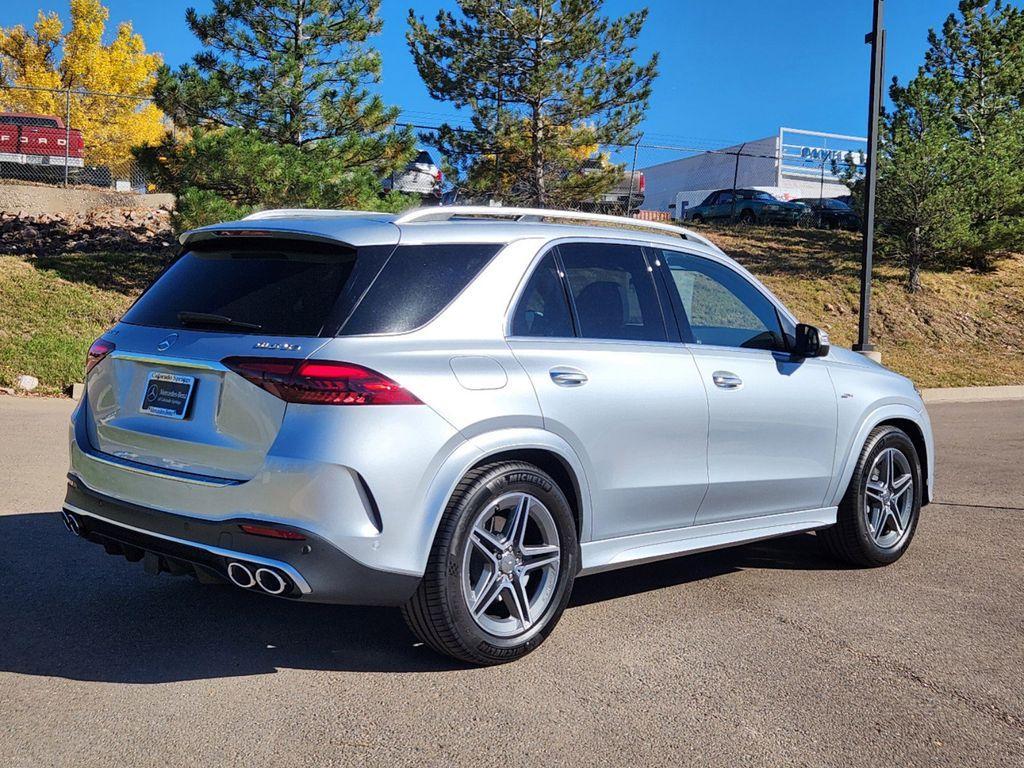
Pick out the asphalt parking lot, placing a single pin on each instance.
(767, 654)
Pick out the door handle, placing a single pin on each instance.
(726, 380)
(568, 377)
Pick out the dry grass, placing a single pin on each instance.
(964, 328)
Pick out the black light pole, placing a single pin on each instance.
(877, 41)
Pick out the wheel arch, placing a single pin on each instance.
(916, 435)
(914, 423)
(544, 449)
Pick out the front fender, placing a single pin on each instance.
(850, 453)
(471, 453)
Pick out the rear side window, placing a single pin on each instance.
(613, 292)
(276, 287)
(417, 282)
(543, 309)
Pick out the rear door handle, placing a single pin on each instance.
(568, 377)
(726, 380)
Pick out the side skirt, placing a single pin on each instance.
(608, 554)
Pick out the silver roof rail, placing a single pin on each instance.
(318, 213)
(448, 212)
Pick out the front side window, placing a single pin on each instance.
(543, 309)
(723, 308)
(613, 292)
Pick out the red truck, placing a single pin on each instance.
(28, 140)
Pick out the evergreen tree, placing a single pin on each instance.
(951, 170)
(546, 81)
(279, 109)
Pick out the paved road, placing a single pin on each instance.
(763, 655)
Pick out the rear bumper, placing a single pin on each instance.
(311, 569)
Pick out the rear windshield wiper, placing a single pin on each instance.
(205, 318)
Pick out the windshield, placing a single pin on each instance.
(837, 205)
(754, 194)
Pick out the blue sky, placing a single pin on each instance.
(730, 71)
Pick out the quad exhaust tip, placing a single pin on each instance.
(241, 576)
(270, 581)
(267, 579)
(71, 523)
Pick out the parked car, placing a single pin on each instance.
(747, 206)
(829, 213)
(420, 177)
(32, 144)
(461, 410)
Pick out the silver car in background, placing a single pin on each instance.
(460, 410)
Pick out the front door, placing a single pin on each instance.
(772, 419)
(609, 381)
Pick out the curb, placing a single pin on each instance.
(972, 394)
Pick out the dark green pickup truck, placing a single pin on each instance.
(748, 206)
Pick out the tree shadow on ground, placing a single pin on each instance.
(68, 610)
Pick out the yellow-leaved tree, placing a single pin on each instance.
(78, 60)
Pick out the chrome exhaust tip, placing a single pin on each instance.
(240, 575)
(270, 581)
(71, 523)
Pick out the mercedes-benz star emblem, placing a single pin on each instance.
(164, 345)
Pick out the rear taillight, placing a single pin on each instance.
(438, 177)
(99, 349)
(320, 382)
(643, 183)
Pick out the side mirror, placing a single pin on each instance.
(810, 342)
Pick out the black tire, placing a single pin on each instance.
(697, 219)
(747, 217)
(438, 613)
(850, 539)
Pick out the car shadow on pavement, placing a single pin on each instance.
(69, 610)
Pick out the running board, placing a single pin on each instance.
(607, 554)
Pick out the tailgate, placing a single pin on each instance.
(225, 428)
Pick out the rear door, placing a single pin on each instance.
(773, 419)
(164, 398)
(613, 383)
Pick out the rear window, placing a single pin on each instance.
(297, 288)
(278, 288)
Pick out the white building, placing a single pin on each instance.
(792, 164)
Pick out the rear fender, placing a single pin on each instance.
(471, 453)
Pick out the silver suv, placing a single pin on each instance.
(460, 410)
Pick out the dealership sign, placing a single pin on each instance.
(819, 155)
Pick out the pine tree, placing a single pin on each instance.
(546, 82)
(951, 170)
(281, 94)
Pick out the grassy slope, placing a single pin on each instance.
(964, 329)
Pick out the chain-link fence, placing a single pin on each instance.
(81, 138)
(75, 138)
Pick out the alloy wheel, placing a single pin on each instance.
(510, 565)
(889, 498)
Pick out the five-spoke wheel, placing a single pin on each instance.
(878, 515)
(510, 565)
(502, 566)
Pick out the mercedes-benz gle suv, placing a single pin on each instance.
(459, 411)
